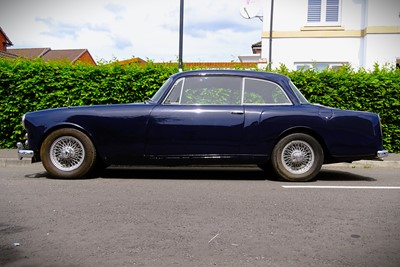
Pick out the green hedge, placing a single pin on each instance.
(32, 85)
(377, 91)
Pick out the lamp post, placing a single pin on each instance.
(180, 36)
(270, 35)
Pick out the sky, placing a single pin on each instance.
(214, 30)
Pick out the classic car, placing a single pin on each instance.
(205, 117)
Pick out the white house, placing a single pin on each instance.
(329, 33)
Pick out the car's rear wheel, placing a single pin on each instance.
(297, 157)
(68, 153)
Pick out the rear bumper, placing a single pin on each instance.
(24, 153)
(382, 153)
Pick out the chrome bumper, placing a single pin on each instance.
(24, 153)
(382, 153)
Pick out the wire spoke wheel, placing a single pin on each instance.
(298, 157)
(67, 153)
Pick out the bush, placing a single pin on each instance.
(33, 85)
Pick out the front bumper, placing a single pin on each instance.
(24, 153)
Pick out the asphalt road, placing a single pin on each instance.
(199, 217)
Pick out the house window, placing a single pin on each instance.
(303, 66)
(319, 66)
(325, 12)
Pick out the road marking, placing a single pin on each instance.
(340, 187)
(213, 238)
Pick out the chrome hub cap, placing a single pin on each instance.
(67, 153)
(298, 157)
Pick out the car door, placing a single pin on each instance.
(200, 117)
(268, 110)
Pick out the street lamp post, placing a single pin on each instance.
(181, 36)
(270, 34)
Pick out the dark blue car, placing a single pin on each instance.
(205, 117)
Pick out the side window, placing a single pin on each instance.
(259, 92)
(211, 90)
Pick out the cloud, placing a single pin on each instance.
(114, 8)
(201, 29)
(121, 43)
(96, 27)
(204, 18)
(60, 29)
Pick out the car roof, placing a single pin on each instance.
(242, 73)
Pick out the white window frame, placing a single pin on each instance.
(323, 14)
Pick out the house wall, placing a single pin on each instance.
(87, 58)
(323, 50)
(382, 40)
(368, 32)
(3, 41)
(381, 49)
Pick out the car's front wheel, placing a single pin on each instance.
(68, 153)
(297, 157)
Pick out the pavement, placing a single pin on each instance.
(9, 158)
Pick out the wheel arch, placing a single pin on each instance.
(308, 131)
(54, 128)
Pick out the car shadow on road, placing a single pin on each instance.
(339, 175)
(205, 173)
(217, 173)
(183, 173)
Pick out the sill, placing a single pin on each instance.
(322, 28)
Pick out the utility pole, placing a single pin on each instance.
(181, 36)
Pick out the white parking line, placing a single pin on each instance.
(339, 187)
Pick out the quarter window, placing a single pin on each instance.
(259, 92)
(175, 95)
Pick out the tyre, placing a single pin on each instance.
(297, 157)
(68, 153)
